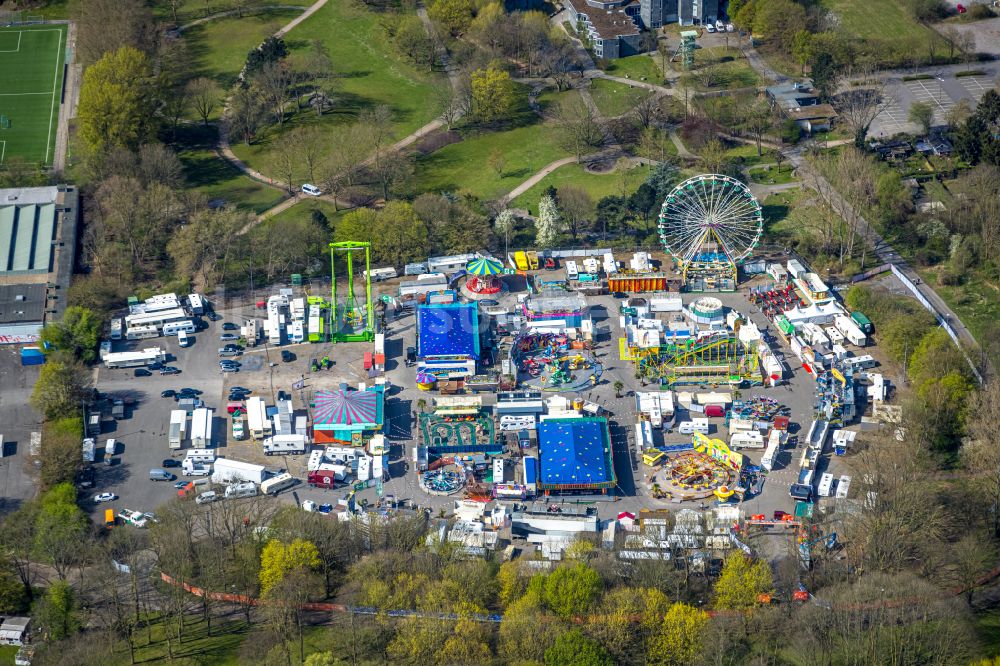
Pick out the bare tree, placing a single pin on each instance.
(859, 106)
(648, 111)
(579, 127)
(577, 207)
(757, 120)
(272, 82)
(205, 95)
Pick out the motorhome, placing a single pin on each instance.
(173, 328)
(275, 485)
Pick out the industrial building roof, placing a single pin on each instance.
(22, 303)
(27, 229)
(575, 453)
(448, 330)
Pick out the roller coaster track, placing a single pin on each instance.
(717, 360)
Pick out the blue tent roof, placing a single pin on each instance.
(575, 452)
(450, 329)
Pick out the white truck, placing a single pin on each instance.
(201, 428)
(771, 452)
(177, 428)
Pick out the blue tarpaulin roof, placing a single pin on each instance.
(575, 452)
(448, 330)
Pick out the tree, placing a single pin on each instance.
(570, 590)
(680, 637)
(104, 26)
(741, 583)
(572, 648)
(619, 385)
(456, 15)
(549, 223)
(61, 386)
(278, 559)
(825, 74)
(77, 333)
(61, 528)
(580, 130)
(60, 452)
(922, 115)
(757, 121)
(57, 612)
(778, 22)
(271, 51)
(273, 81)
(577, 207)
(205, 95)
(412, 40)
(493, 94)
(116, 102)
(714, 158)
(504, 224)
(858, 107)
(497, 162)
(322, 659)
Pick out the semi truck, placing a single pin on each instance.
(177, 428)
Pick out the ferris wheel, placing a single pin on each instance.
(710, 218)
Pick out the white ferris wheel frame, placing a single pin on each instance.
(699, 210)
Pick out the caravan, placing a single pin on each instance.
(173, 328)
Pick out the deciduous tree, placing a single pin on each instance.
(205, 95)
(116, 102)
(77, 333)
(62, 384)
(742, 581)
(493, 95)
(549, 223)
(680, 637)
(572, 648)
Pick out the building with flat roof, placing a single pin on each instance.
(575, 455)
(37, 243)
(448, 344)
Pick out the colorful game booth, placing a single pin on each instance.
(450, 434)
(575, 456)
(548, 362)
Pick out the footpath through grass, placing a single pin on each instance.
(614, 99)
(216, 178)
(597, 185)
(219, 47)
(369, 72)
(32, 60)
(638, 67)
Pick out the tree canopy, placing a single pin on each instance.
(116, 102)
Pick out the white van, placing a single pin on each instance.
(311, 190)
(182, 339)
(248, 489)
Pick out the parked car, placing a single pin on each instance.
(169, 393)
(206, 497)
(730, 27)
(239, 389)
(720, 26)
(170, 370)
(960, 8)
(709, 27)
(105, 497)
(311, 190)
(411, 355)
(170, 462)
(228, 337)
(230, 326)
(155, 365)
(287, 356)
(143, 372)
(214, 316)
(192, 391)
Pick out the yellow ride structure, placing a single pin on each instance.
(718, 360)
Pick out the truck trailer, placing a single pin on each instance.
(201, 428)
(285, 445)
(227, 470)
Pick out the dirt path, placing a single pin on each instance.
(67, 109)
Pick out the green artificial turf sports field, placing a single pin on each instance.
(31, 76)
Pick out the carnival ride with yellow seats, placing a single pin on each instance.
(718, 360)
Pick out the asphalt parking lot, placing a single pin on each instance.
(18, 477)
(942, 90)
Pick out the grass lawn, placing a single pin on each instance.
(772, 175)
(729, 68)
(639, 67)
(597, 185)
(892, 21)
(192, 10)
(217, 179)
(746, 154)
(7, 654)
(988, 628)
(614, 99)
(464, 166)
(370, 73)
(31, 68)
(304, 210)
(977, 304)
(219, 47)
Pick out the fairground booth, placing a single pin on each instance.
(448, 340)
(575, 456)
(347, 415)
